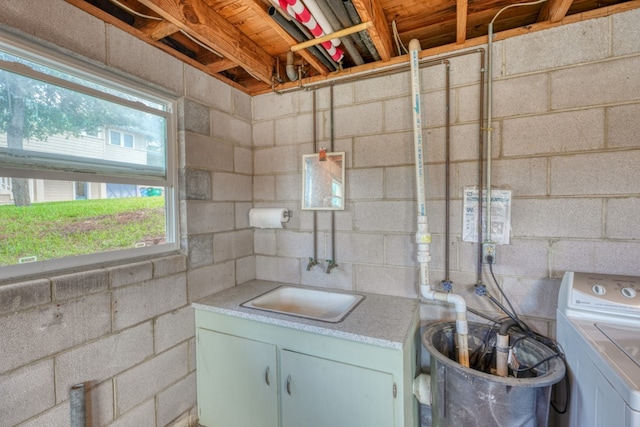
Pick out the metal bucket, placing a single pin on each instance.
(466, 397)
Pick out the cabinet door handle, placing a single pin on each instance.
(267, 374)
(289, 385)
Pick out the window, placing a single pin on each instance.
(121, 139)
(70, 194)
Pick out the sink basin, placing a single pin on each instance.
(310, 303)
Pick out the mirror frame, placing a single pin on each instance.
(305, 178)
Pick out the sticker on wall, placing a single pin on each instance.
(500, 215)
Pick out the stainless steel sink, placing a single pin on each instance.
(314, 304)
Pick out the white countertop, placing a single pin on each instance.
(381, 320)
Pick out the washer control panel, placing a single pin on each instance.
(603, 292)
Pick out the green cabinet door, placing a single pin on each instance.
(237, 381)
(318, 392)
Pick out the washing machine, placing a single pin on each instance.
(598, 327)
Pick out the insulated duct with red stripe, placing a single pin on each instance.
(299, 11)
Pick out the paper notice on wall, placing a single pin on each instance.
(500, 216)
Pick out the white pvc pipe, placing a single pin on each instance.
(462, 326)
(502, 355)
(423, 238)
(422, 388)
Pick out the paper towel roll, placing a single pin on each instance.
(268, 217)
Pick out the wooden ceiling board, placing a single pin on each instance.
(251, 42)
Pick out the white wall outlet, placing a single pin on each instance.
(489, 253)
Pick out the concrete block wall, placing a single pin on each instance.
(127, 330)
(564, 142)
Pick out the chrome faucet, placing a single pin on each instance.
(312, 263)
(331, 266)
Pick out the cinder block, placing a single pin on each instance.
(264, 242)
(532, 297)
(286, 270)
(398, 84)
(232, 245)
(127, 274)
(400, 250)
(357, 119)
(206, 217)
(571, 44)
(136, 57)
(264, 134)
(150, 377)
(202, 88)
(276, 159)
(293, 244)
(242, 160)
(140, 416)
(398, 281)
(264, 187)
(211, 279)
(103, 359)
(49, 22)
(520, 95)
(26, 392)
(385, 216)
(272, 105)
(245, 269)
(242, 103)
(623, 126)
(242, 214)
(466, 107)
(595, 174)
(197, 185)
(398, 114)
(78, 284)
(231, 187)
(625, 32)
(294, 130)
(383, 150)
(37, 333)
(578, 218)
(138, 303)
(23, 295)
(203, 152)
(57, 416)
(342, 96)
(364, 183)
(584, 86)
(166, 266)
(463, 144)
(176, 400)
(623, 221)
(289, 187)
(554, 133)
(199, 249)
(360, 247)
(524, 177)
(230, 128)
(173, 328)
(595, 256)
(194, 117)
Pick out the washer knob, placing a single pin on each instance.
(628, 292)
(599, 290)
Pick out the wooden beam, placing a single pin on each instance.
(554, 10)
(201, 22)
(371, 10)
(461, 21)
(156, 29)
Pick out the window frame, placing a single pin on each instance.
(72, 64)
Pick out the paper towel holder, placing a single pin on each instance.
(288, 214)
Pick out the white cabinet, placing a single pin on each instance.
(237, 381)
(323, 393)
(251, 373)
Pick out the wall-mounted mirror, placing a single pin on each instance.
(323, 181)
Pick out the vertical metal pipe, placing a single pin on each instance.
(480, 168)
(333, 229)
(77, 405)
(447, 229)
(315, 212)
